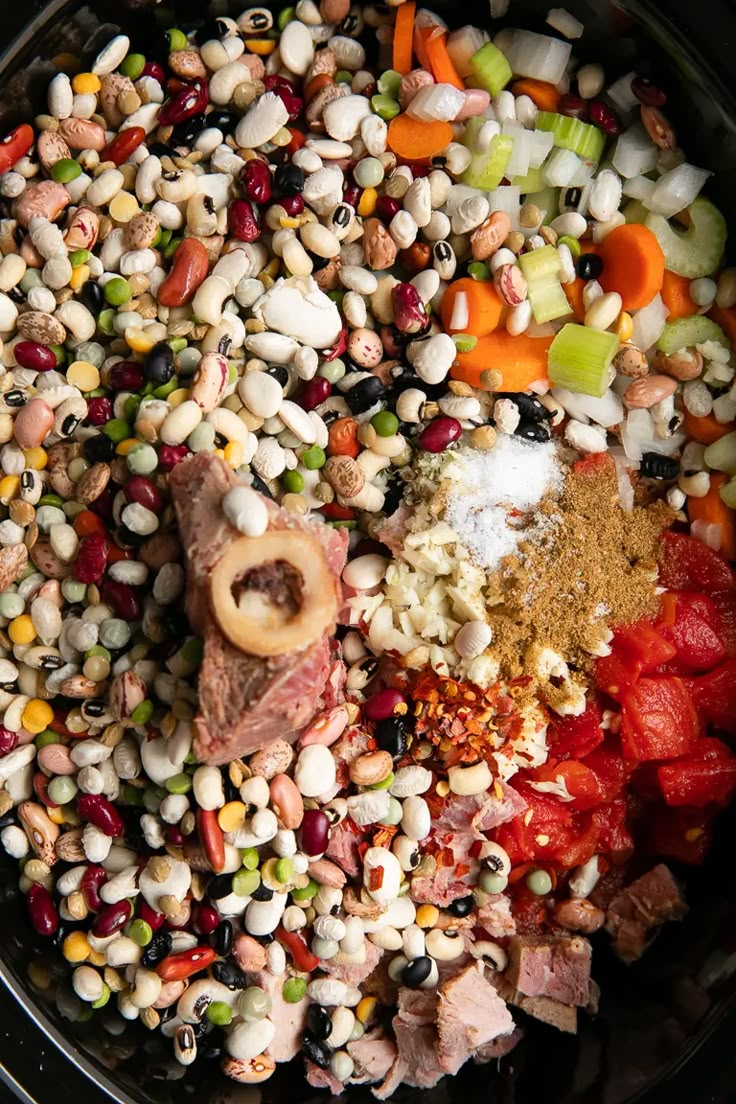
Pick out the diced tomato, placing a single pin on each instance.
(681, 834)
(574, 737)
(714, 695)
(688, 564)
(694, 632)
(635, 650)
(659, 720)
(549, 831)
(706, 777)
(613, 833)
(725, 604)
(576, 777)
(609, 769)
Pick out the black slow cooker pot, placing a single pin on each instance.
(665, 1027)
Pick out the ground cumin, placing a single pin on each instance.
(589, 565)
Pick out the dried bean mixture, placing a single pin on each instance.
(446, 304)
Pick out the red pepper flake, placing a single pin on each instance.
(375, 878)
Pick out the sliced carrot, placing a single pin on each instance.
(713, 510)
(676, 296)
(440, 62)
(414, 141)
(574, 293)
(544, 95)
(484, 306)
(633, 265)
(520, 360)
(404, 37)
(725, 317)
(705, 430)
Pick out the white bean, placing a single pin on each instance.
(467, 781)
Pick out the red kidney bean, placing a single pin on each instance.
(15, 145)
(102, 813)
(605, 118)
(144, 492)
(123, 144)
(647, 93)
(352, 195)
(93, 878)
(145, 912)
(103, 504)
(173, 835)
(274, 81)
(292, 204)
(126, 375)
(178, 967)
(41, 909)
(171, 455)
(211, 838)
(387, 207)
(41, 790)
(89, 566)
(390, 341)
(153, 69)
(189, 268)
(383, 704)
(205, 919)
(410, 315)
(314, 392)
(572, 105)
(440, 433)
(242, 220)
(99, 410)
(255, 180)
(191, 100)
(39, 358)
(111, 919)
(122, 599)
(8, 740)
(314, 832)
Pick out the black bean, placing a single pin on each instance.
(220, 886)
(227, 973)
(184, 133)
(262, 893)
(532, 431)
(289, 180)
(279, 373)
(390, 736)
(417, 971)
(315, 1051)
(655, 466)
(365, 394)
(212, 29)
(158, 367)
(589, 266)
(529, 406)
(157, 949)
(17, 398)
(462, 907)
(93, 297)
(260, 485)
(223, 120)
(222, 937)
(99, 449)
(319, 1021)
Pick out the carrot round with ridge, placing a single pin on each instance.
(544, 95)
(676, 296)
(706, 430)
(713, 511)
(633, 265)
(414, 141)
(440, 62)
(483, 302)
(404, 37)
(521, 360)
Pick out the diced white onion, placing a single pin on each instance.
(565, 23)
(507, 198)
(462, 44)
(583, 173)
(542, 142)
(518, 164)
(708, 532)
(460, 312)
(639, 187)
(649, 323)
(620, 93)
(635, 154)
(676, 190)
(538, 56)
(560, 167)
(436, 102)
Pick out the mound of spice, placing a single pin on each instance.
(591, 566)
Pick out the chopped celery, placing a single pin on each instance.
(540, 264)
(579, 359)
(721, 455)
(683, 333)
(541, 269)
(490, 69)
(635, 211)
(487, 169)
(570, 134)
(546, 199)
(530, 182)
(696, 251)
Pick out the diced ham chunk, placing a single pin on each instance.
(470, 1013)
(496, 918)
(638, 911)
(553, 1012)
(246, 701)
(289, 1019)
(557, 967)
(373, 1056)
(500, 1047)
(322, 1078)
(343, 849)
(355, 974)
